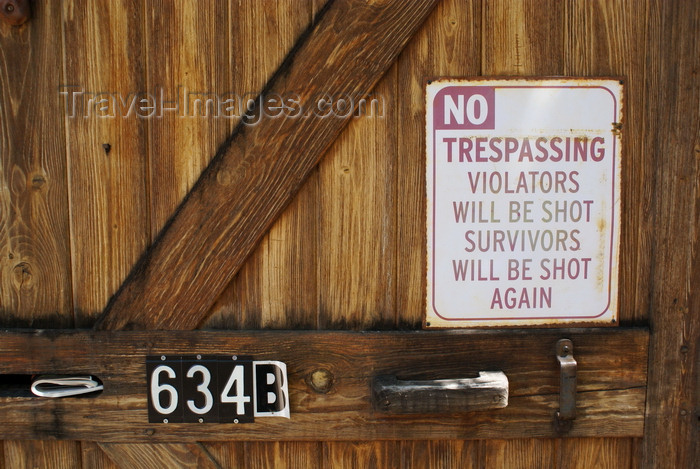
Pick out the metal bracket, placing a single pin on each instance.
(567, 384)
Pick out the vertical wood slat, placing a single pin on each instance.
(448, 44)
(356, 255)
(159, 456)
(521, 454)
(33, 454)
(365, 454)
(187, 70)
(277, 285)
(35, 263)
(603, 453)
(35, 287)
(94, 458)
(109, 213)
(521, 38)
(463, 454)
(672, 136)
(283, 454)
(606, 39)
(188, 59)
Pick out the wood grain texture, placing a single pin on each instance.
(356, 246)
(371, 455)
(521, 453)
(603, 39)
(277, 285)
(35, 266)
(187, 61)
(603, 453)
(35, 286)
(293, 454)
(257, 172)
(463, 454)
(108, 200)
(448, 44)
(94, 457)
(159, 456)
(522, 37)
(229, 454)
(33, 454)
(610, 398)
(672, 128)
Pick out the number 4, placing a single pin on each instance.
(239, 398)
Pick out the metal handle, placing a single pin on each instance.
(488, 391)
(64, 386)
(567, 383)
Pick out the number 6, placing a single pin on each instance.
(157, 388)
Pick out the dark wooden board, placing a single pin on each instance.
(672, 137)
(611, 383)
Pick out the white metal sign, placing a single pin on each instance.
(523, 201)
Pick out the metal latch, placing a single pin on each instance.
(567, 384)
(64, 386)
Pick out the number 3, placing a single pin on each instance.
(203, 388)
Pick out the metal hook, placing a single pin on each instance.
(65, 386)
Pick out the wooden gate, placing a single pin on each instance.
(91, 178)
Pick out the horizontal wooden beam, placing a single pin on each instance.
(258, 170)
(330, 376)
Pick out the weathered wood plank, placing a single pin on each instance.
(356, 218)
(450, 453)
(188, 68)
(448, 44)
(293, 454)
(522, 453)
(33, 454)
(35, 263)
(260, 167)
(107, 163)
(610, 401)
(35, 286)
(672, 129)
(603, 453)
(522, 37)
(157, 456)
(368, 454)
(277, 285)
(603, 39)
(94, 457)
(229, 454)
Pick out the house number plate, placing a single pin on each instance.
(215, 389)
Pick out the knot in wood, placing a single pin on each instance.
(321, 380)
